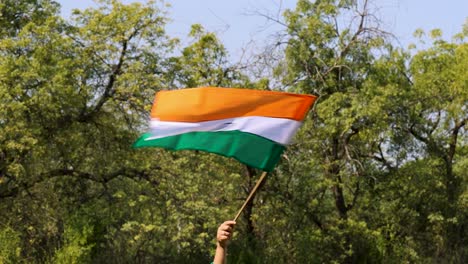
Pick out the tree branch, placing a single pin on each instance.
(454, 138)
(108, 91)
(126, 172)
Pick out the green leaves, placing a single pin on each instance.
(375, 115)
(376, 173)
(203, 63)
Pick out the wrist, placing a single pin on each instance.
(221, 253)
(221, 245)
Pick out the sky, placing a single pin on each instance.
(238, 23)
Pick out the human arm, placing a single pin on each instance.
(223, 236)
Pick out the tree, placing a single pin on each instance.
(351, 179)
(332, 160)
(16, 14)
(72, 100)
(377, 173)
(436, 118)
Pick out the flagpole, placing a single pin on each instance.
(264, 174)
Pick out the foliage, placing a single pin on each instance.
(9, 245)
(377, 173)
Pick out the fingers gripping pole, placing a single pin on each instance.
(251, 194)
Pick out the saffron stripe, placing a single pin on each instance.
(212, 103)
(247, 148)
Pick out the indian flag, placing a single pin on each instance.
(251, 126)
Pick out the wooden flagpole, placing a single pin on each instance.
(251, 194)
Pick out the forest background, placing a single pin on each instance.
(377, 173)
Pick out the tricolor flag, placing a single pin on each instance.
(251, 126)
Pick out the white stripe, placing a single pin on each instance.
(280, 130)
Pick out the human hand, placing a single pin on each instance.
(225, 233)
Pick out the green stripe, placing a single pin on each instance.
(247, 148)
